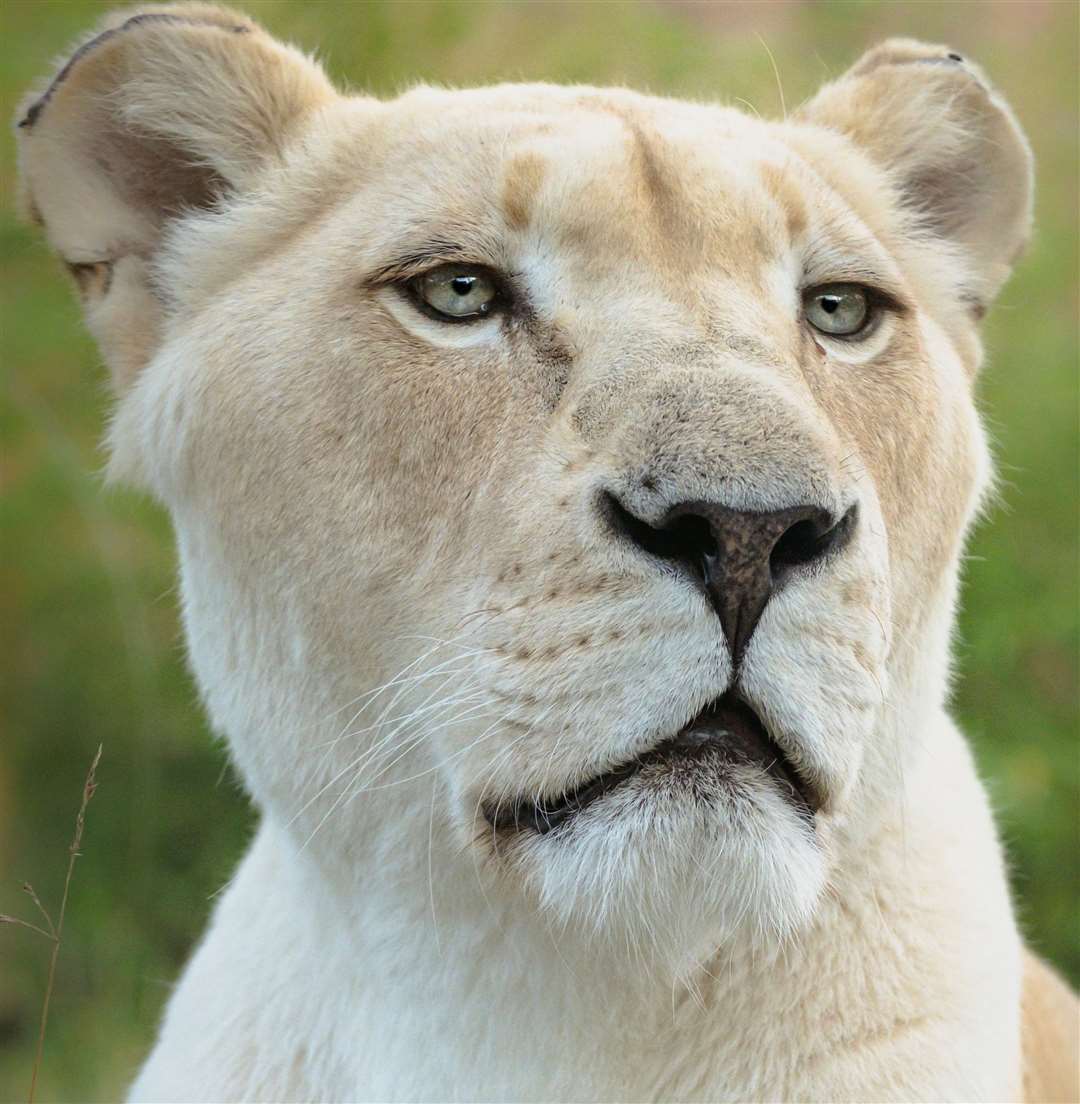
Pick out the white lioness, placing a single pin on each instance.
(570, 487)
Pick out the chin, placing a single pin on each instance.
(707, 838)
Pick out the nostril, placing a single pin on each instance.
(809, 540)
(688, 538)
(800, 544)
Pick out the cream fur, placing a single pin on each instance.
(400, 600)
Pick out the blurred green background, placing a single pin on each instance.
(91, 646)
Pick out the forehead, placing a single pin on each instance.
(600, 172)
(531, 154)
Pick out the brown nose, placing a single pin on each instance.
(739, 558)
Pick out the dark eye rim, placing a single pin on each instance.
(878, 304)
(498, 305)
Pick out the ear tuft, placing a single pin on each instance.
(953, 149)
(161, 111)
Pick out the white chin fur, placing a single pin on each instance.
(668, 877)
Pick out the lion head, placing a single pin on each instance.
(579, 474)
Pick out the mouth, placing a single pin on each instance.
(727, 734)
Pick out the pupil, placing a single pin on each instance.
(830, 304)
(462, 285)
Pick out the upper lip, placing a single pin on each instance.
(729, 726)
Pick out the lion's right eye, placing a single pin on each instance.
(456, 293)
(839, 310)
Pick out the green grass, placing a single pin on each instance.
(91, 643)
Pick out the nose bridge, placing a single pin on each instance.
(741, 437)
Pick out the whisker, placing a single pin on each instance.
(350, 790)
(377, 689)
(468, 714)
(489, 731)
(430, 871)
(401, 681)
(378, 745)
(352, 733)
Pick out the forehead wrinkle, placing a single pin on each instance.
(673, 222)
(521, 183)
(785, 192)
(664, 212)
(660, 189)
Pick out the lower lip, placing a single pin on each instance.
(729, 730)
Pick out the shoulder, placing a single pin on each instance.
(1050, 1034)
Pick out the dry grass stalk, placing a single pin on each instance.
(54, 932)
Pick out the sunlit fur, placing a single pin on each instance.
(403, 605)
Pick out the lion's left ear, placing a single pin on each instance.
(157, 116)
(952, 146)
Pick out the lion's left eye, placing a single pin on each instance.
(456, 293)
(839, 310)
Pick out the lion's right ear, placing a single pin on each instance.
(953, 149)
(160, 112)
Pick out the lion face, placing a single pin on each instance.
(581, 472)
